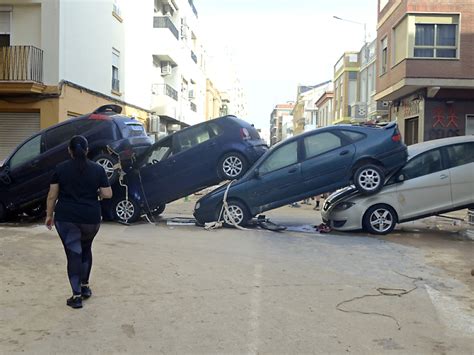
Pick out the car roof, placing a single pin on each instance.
(416, 149)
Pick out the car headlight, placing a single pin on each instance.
(343, 206)
(196, 207)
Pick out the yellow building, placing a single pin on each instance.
(345, 86)
(213, 101)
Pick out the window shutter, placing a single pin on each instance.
(4, 22)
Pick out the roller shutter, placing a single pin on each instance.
(15, 128)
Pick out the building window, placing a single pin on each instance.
(4, 29)
(115, 70)
(384, 56)
(435, 41)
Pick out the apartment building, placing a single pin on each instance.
(305, 112)
(279, 112)
(53, 67)
(324, 105)
(425, 66)
(346, 72)
(366, 108)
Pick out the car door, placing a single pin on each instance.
(27, 183)
(427, 186)
(461, 162)
(279, 177)
(327, 161)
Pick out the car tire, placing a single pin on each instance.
(108, 162)
(124, 210)
(239, 212)
(159, 210)
(232, 166)
(369, 179)
(380, 219)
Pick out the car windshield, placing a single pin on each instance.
(133, 130)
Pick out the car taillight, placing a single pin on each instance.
(244, 134)
(396, 137)
(97, 116)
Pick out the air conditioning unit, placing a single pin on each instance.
(165, 68)
(154, 125)
(359, 110)
(191, 94)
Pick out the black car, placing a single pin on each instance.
(186, 162)
(26, 173)
(307, 165)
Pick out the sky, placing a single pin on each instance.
(278, 44)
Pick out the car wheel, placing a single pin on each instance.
(236, 213)
(37, 211)
(108, 162)
(232, 166)
(159, 210)
(369, 179)
(380, 219)
(126, 210)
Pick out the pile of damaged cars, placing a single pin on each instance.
(438, 178)
(144, 176)
(312, 163)
(26, 173)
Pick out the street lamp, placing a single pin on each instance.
(358, 23)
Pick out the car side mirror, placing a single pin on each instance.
(4, 175)
(256, 173)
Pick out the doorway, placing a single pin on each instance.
(411, 131)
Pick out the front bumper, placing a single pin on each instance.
(345, 220)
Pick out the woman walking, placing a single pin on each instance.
(74, 195)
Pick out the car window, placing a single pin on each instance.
(353, 136)
(160, 152)
(27, 152)
(215, 128)
(424, 164)
(59, 135)
(321, 143)
(83, 126)
(461, 154)
(191, 138)
(281, 157)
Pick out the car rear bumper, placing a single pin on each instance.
(394, 159)
(254, 152)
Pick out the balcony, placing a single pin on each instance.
(165, 22)
(194, 57)
(21, 70)
(164, 100)
(191, 3)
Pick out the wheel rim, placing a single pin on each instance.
(107, 165)
(381, 220)
(236, 213)
(369, 179)
(125, 210)
(232, 166)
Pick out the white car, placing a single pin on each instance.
(437, 178)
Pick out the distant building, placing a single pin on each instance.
(305, 112)
(425, 66)
(345, 86)
(276, 121)
(324, 106)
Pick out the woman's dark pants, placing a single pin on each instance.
(77, 240)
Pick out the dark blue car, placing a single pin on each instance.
(186, 162)
(307, 165)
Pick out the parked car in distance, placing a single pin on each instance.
(438, 178)
(186, 162)
(307, 165)
(26, 173)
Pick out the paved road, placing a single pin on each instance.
(163, 289)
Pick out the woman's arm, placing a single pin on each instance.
(50, 203)
(105, 192)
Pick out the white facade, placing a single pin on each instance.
(287, 127)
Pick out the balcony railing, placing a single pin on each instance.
(193, 57)
(193, 106)
(21, 63)
(165, 22)
(191, 3)
(165, 89)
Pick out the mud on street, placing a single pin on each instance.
(182, 289)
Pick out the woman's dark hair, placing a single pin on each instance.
(78, 146)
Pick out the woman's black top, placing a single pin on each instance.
(78, 200)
